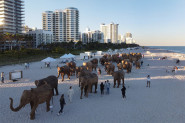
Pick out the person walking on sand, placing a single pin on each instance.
(70, 94)
(108, 86)
(102, 88)
(148, 81)
(99, 71)
(62, 103)
(105, 86)
(2, 77)
(123, 90)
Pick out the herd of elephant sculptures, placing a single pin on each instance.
(87, 79)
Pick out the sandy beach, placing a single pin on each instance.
(163, 102)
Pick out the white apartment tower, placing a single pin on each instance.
(11, 15)
(63, 23)
(110, 32)
(47, 21)
(72, 24)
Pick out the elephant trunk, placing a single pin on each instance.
(12, 108)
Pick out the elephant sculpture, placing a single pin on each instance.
(127, 66)
(109, 68)
(94, 66)
(72, 66)
(35, 96)
(94, 61)
(63, 70)
(88, 65)
(120, 66)
(51, 80)
(79, 69)
(118, 76)
(138, 64)
(83, 73)
(87, 83)
(103, 60)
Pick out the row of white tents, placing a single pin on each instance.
(65, 56)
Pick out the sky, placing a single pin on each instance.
(151, 22)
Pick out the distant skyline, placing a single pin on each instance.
(152, 22)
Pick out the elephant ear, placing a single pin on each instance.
(36, 82)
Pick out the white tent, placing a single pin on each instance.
(48, 59)
(71, 55)
(67, 56)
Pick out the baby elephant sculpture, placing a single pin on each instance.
(51, 80)
(35, 96)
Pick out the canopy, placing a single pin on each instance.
(68, 56)
(48, 59)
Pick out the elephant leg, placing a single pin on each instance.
(95, 88)
(58, 75)
(118, 83)
(32, 113)
(47, 105)
(62, 77)
(31, 104)
(53, 91)
(81, 93)
(68, 76)
(56, 90)
(91, 88)
(114, 83)
(123, 81)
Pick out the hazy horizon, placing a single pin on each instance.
(152, 23)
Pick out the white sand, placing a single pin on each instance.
(164, 102)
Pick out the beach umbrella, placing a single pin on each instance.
(48, 59)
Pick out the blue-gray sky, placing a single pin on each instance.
(152, 22)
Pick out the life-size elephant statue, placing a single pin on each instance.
(83, 73)
(35, 96)
(79, 69)
(103, 60)
(138, 64)
(72, 66)
(118, 76)
(94, 61)
(110, 68)
(120, 66)
(51, 80)
(87, 83)
(127, 66)
(63, 70)
(88, 65)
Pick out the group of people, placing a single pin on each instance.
(26, 65)
(104, 86)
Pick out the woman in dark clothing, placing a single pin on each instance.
(102, 88)
(62, 103)
(123, 90)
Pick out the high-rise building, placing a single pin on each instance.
(11, 16)
(110, 32)
(63, 23)
(128, 35)
(47, 20)
(72, 24)
(129, 39)
(92, 36)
